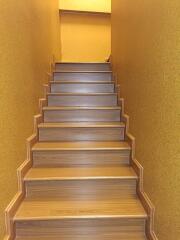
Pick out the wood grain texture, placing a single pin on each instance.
(75, 146)
(81, 189)
(81, 132)
(81, 87)
(71, 173)
(82, 76)
(60, 158)
(95, 183)
(82, 99)
(84, 181)
(83, 66)
(42, 209)
(83, 229)
(81, 114)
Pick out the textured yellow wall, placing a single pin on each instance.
(86, 5)
(29, 36)
(146, 56)
(85, 37)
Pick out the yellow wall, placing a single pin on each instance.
(146, 56)
(86, 5)
(29, 37)
(85, 38)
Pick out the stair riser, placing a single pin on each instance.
(83, 67)
(81, 189)
(82, 101)
(78, 158)
(82, 115)
(82, 76)
(81, 134)
(82, 88)
(83, 229)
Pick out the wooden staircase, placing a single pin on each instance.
(81, 182)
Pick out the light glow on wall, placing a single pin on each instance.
(86, 5)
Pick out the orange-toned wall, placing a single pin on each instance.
(146, 58)
(85, 37)
(29, 37)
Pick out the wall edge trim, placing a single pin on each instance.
(147, 204)
(25, 166)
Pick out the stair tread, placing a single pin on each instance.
(80, 82)
(81, 94)
(82, 125)
(118, 172)
(130, 236)
(82, 145)
(135, 235)
(80, 71)
(48, 209)
(83, 108)
(83, 63)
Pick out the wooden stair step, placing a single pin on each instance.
(80, 173)
(82, 83)
(82, 108)
(82, 76)
(85, 145)
(129, 237)
(82, 229)
(82, 87)
(44, 209)
(82, 99)
(82, 94)
(82, 131)
(82, 71)
(82, 125)
(86, 183)
(81, 154)
(83, 66)
(80, 114)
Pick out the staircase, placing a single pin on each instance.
(82, 185)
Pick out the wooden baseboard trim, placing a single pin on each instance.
(150, 209)
(21, 172)
(23, 169)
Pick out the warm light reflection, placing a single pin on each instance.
(86, 5)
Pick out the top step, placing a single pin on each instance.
(68, 66)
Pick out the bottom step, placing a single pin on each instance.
(86, 229)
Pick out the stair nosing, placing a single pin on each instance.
(81, 148)
(125, 173)
(81, 178)
(81, 94)
(81, 82)
(83, 63)
(78, 149)
(84, 125)
(99, 216)
(80, 71)
(82, 108)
